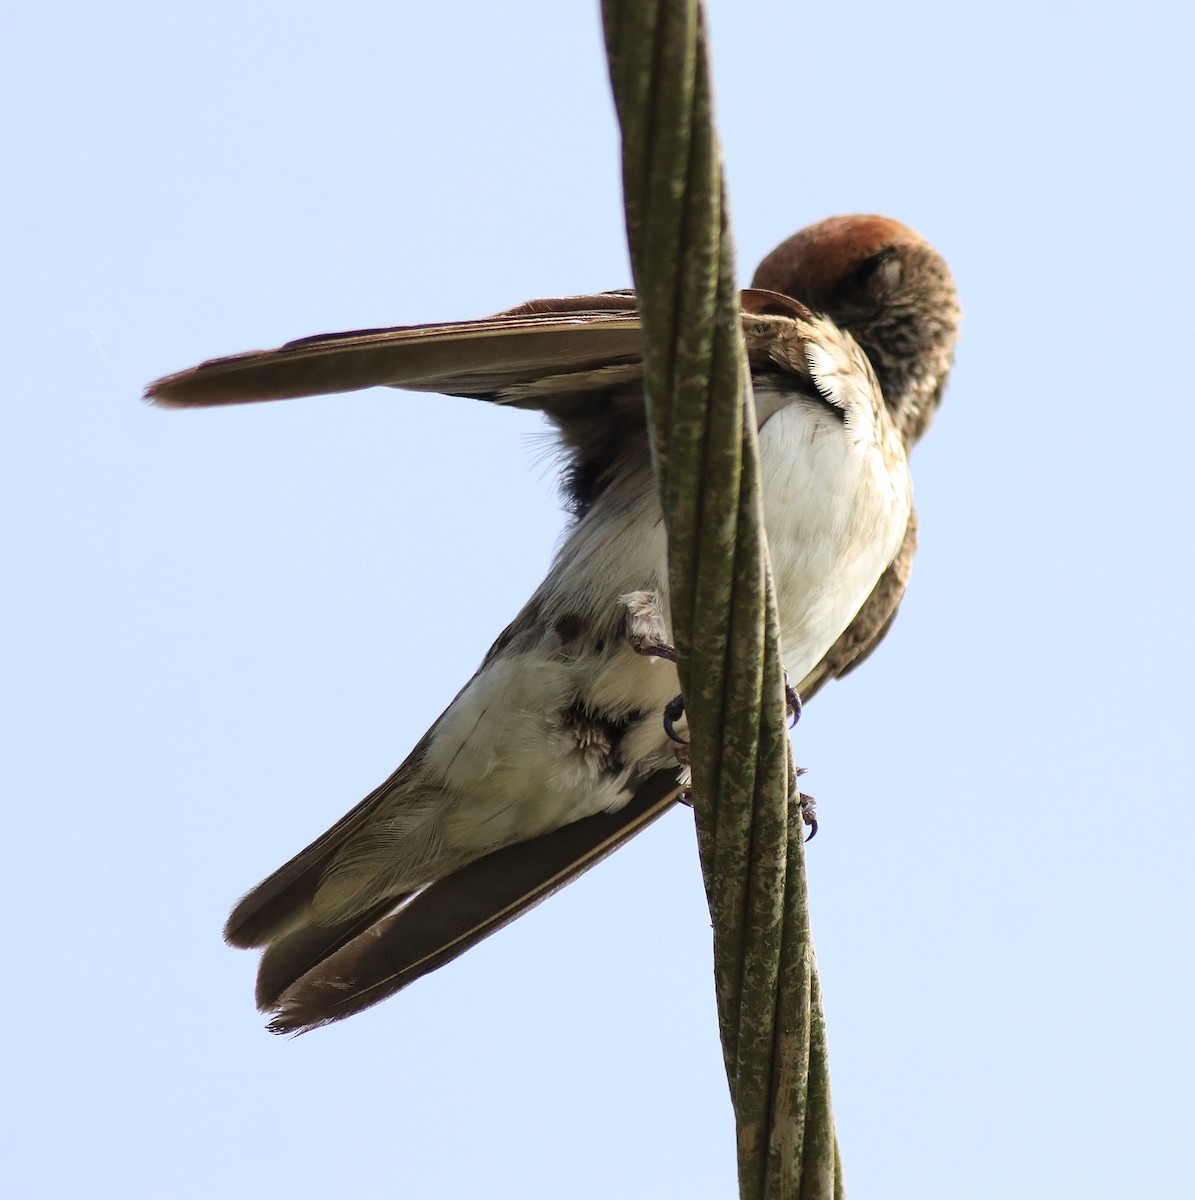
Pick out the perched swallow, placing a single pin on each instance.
(555, 752)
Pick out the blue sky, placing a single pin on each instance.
(225, 627)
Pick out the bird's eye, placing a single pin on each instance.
(875, 275)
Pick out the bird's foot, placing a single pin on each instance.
(647, 633)
(807, 807)
(646, 629)
(792, 702)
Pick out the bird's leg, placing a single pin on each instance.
(646, 629)
(648, 634)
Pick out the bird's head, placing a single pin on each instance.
(887, 287)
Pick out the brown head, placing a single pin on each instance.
(891, 290)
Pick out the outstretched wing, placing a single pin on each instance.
(528, 356)
(486, 359)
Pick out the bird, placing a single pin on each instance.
(555, 752)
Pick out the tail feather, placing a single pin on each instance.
(294, 954)
(317, 975)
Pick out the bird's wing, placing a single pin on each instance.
(578, 360)
(464, 358)
(469, 358)
(523, 356)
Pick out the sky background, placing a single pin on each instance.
(222, 628)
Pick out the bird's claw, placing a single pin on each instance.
(653, 649)
(792, 702)
(673, 711)
(807, 806)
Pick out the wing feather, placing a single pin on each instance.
(460, 358)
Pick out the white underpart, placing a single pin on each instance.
(835, 514)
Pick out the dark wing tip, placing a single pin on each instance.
(283, 374)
